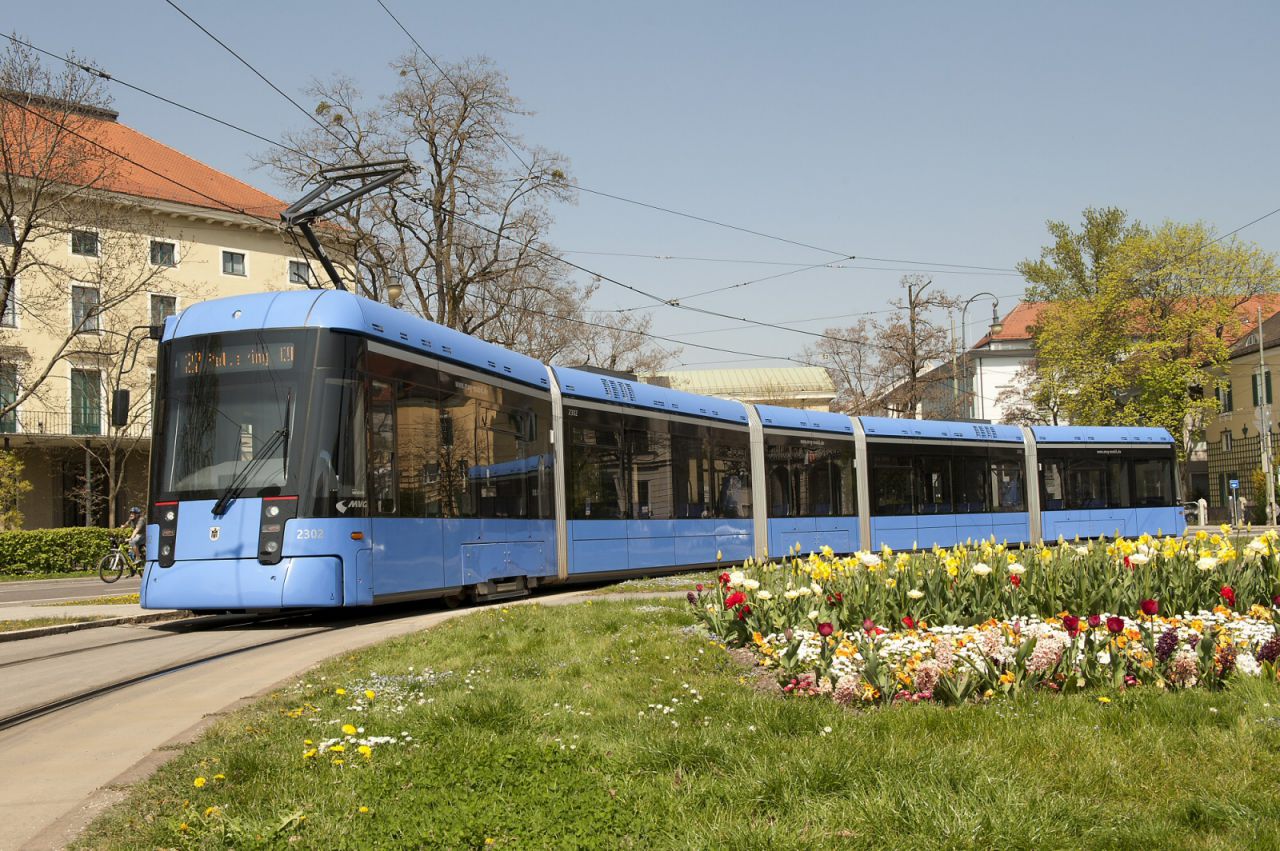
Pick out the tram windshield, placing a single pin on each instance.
(226, 414)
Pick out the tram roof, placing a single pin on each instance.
(1085, 435)
(343, 311)
(580, 384)
(776, 416)
(893, 428)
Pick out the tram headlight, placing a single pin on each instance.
(272, 520)
(167, 519)
(170, 516)
(272, 546)
(273, 511)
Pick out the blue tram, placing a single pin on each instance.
(318, 449)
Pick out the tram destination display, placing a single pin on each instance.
(246, 357)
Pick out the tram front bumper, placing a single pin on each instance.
(297, 582)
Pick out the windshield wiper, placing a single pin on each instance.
(237, 484)
(241, 479)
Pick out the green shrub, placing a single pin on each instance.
(56, 550)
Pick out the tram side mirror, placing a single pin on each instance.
(119, 408)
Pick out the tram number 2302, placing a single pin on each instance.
(310, 534)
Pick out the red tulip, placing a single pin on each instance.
(825, 628)
(1071, 624)
(743, 612)
(1275, 601)
(1095, 621)
(734, 599)
(1115, 625)
(699, 587)
(868, 624)
(724, 579)
(1150, 608)
(1015, 580)
(908, 622)
(1229, 594)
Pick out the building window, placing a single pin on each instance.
(163, 253)
(299, 272)
(1266, 381)
(84, 309)
(9, 316)
(8, 393)
(1226, 400)
(6, 233)
(233, 263)
(86, 401)
(162, 307)
(1226, 441)
(84, 243)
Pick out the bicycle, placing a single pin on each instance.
(113, 564)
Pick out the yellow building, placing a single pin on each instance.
(1233, 438)
(152, 231)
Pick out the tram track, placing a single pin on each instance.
(24, 716)
(168, 630)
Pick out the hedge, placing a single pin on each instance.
(56, 550)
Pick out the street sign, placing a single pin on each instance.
(1235, 484)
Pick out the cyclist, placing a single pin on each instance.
(139, 525)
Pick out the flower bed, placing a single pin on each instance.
(984, 619)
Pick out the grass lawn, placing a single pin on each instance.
(536, 727)
(108, 600)
(32, 623)
(672, 582)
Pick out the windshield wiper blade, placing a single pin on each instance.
(237, 484)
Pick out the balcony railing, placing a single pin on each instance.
(35, 422)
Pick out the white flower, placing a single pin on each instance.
(791, 593)
(813, 616)
(816, 589)
(1139, 558)
(1017, 569)
(1104, 658)
(1257, 545)
(869, 559)
(750, 584)
(915, 593)
(1082, 551)
(1207, 563)
(1248, 665)
(765, 595)
(737, 578)
(981, 569)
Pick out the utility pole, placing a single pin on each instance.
(1265, 433)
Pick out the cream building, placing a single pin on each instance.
(156, 231)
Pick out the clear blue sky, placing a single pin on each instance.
(932, 131)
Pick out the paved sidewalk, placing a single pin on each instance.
(93, 616)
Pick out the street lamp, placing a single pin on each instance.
(996, 327)
(394, 291)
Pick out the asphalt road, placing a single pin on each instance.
(64, 768)
(41, 590)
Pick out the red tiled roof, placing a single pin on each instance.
(1019, 321)
(152, 170)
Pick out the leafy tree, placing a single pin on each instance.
(13, 487)
(1138, 321)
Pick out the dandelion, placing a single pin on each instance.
(339, 691)
(1104, 699)
(212, 811)
(365, 751)
(184, 827)
(310, 754)
(363, 809)
(369, 693)
(349, 729)
(338, 748)
(199, 782)
(218, 777)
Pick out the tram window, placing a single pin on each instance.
(969, 467)
(1118, 493)
(340, 458)
(1153, 482)
(649, 453)
(933, 494)
(891, 484)
(1007, 484)
(777, 461)
(691, 474)
(597, 491)
(1053, 491)
(731, 471)
(1086, 484)
(417, 439)
(382, 447)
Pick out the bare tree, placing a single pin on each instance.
(891, 366)
(466, 237)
